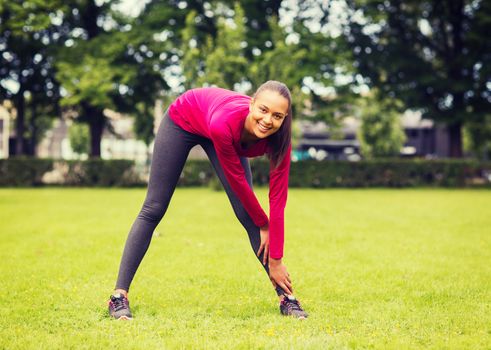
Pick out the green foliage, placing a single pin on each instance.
(190, 61)
(223, 60)
(89, 80)
(28, 34)
(432, 55)
(405, 270)
(325, 59)
(144, 123)
(197, 173)
(99, 172)
(389, 173)
(114, 66)
(478, 137)
(225, 64)
(372, 173)
(381, 133)
(24, 18)
(282, 62)
(23, 171)
(380, 173)
(39, 119)
(258, 16)
(202, 22)
(78, 135)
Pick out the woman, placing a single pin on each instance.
(230, 127)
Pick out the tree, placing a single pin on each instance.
(185, 28)
(234, 33)
(192, 57)
(39, 115)
(478, 137)
(434, 56)
(28, 31)
(88, 84)
(256, 19)
(381, 133)
(257, 24)
(324, 84)
(84, 66)
(225, 64)
(113, 64)
(283, 62)
(78, 134)
(220, 60)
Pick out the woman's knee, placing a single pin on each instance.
(152, 211)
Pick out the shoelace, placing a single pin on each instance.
(119, 303)
(292, 304)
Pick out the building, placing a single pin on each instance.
(424, 138)
(317, 141)
(4, 132)
(120, 144)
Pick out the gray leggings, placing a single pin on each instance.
(171, 149)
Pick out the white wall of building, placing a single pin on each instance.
(4, 132)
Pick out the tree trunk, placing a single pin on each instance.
(456, 10)
(96, 126)
(96, 120)
(31, 148)
(455, 139)
(19, 123)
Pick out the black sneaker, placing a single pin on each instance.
(119, 307)
(290, 306)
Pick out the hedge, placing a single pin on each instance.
(93, 172)
(373, 173)
(390, 173)
(23, 171)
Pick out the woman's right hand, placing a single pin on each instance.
(279, 276)
(264, 247)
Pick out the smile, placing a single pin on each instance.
(262, 127)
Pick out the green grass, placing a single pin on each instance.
(400, 269)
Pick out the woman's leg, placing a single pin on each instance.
(240, 212)
(172, 146)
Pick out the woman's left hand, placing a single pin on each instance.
(264, 247)
(279, 276)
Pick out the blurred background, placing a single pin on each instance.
(85, 79)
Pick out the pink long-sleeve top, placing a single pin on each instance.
(219, 115)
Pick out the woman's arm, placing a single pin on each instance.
(221, 136)
(278, 193)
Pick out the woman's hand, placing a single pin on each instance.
(279, 276)
(264, 231)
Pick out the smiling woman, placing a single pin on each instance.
(268, 110)
(230, 127)
(263, 120)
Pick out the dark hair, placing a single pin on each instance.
(280, 140)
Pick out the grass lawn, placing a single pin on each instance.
(400, 269)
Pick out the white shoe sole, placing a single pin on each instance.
(125, 318)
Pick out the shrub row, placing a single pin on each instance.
(23, 171)
(93, 172)
(379, 173)
(390, 173)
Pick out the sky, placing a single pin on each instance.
(131, 7)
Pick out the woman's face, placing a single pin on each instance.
(267, 112)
